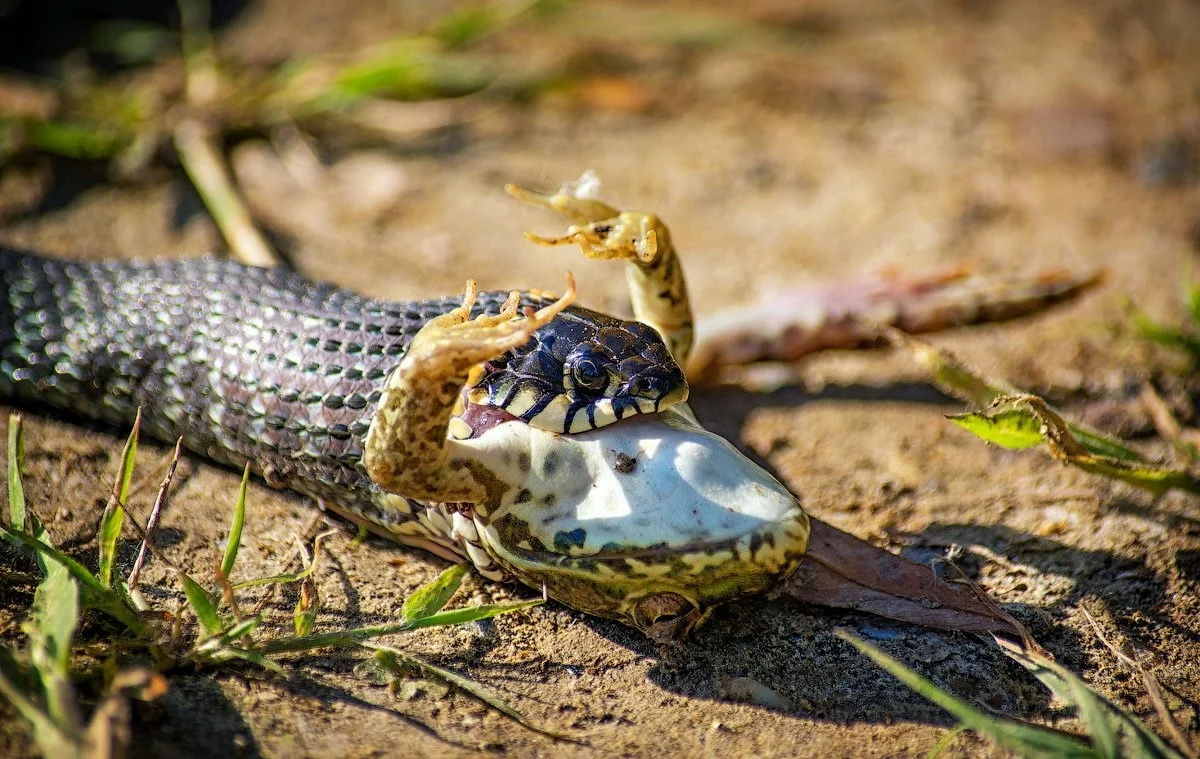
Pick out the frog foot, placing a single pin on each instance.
(657, 290)
(454, 342)
(568, 202)
(407, 450)
(601, 231)
(629, 236)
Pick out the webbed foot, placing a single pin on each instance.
(454, 342)
(656, 286)
(602, 232)
(407, 450)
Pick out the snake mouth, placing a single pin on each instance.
(577, 374)
(571, 411)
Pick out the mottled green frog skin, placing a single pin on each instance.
(338, 396)
(262, 365)
(654, 521)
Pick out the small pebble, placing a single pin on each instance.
(1065, 131)
(1168, 163)
(750, 691)
(880, 632)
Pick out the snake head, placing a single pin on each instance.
(653, 521)
(580, 372)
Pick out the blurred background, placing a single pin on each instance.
(783, 141)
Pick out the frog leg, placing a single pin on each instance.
(656, 285)
(407, 450)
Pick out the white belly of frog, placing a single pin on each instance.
(655, 502)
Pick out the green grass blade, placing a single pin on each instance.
(16, 462)
(254, 657)
(53, 740)
(322, 640)
(433, 597)
(1104, 734)
(1190, 295)
(407, 69)
(1102, 445)
(114, 512)
(944, 742)
(202, 605)
(285, 579)
(241, 630)
(947, 373)
(128, 456)
(304, 616)
(399, 662)
(1167, 336)
(95, 594)
(357, 635)
(52, 620)
(1193, 302)
(50, 627)
(220, 655)
(235, 530)
(83, 141)
(474, 22)
(1026, 740)
(473, 613)
(1115, 732)
(20, 519)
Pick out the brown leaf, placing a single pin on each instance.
(847, 573)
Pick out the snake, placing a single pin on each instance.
(510, 430)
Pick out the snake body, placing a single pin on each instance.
(244, 364)
(653, 522)
(493, 438)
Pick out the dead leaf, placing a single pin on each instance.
(845, 572)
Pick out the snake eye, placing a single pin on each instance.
(587, 373)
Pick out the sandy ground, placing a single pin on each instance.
(1016, 136)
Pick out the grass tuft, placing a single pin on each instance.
(1112, 732)
(39, 681)
(133, 122)
(16, 457)
(114, 512)
(1014, 419)
(433, 597)
(235, 530)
